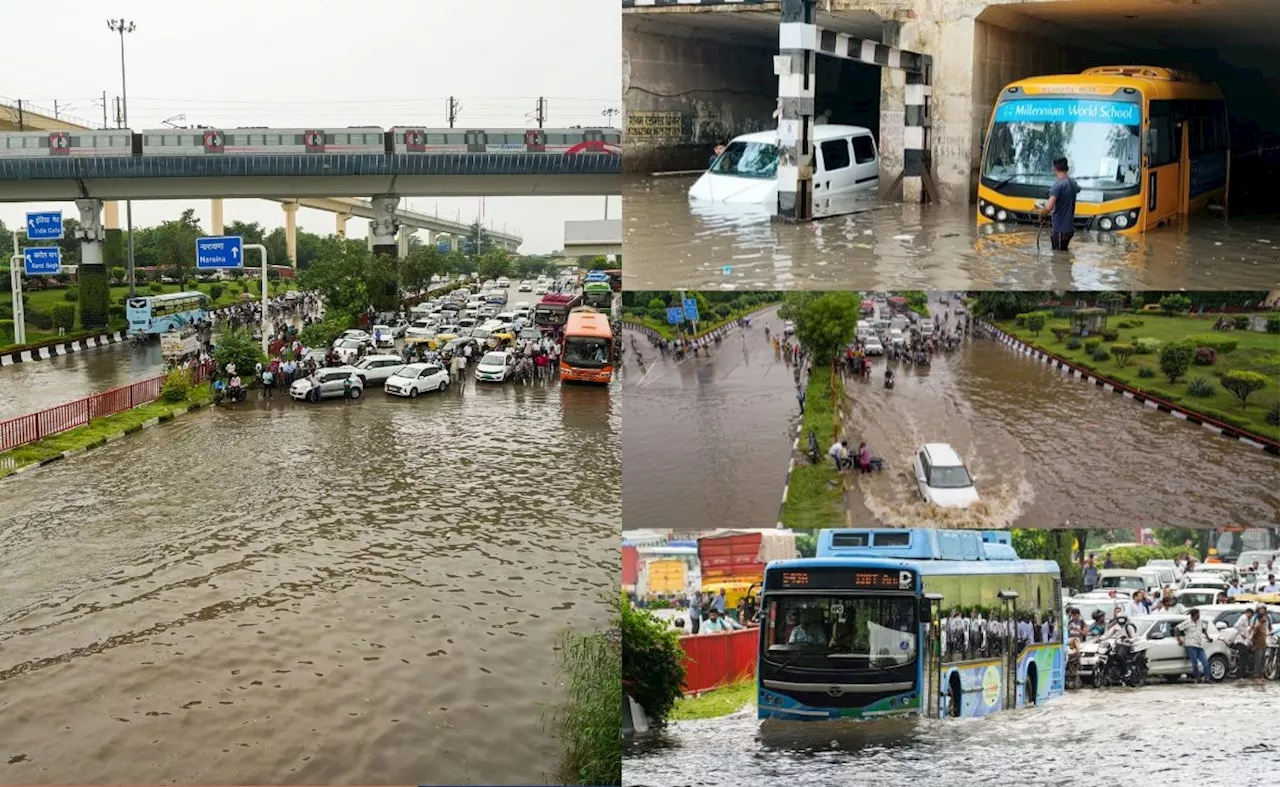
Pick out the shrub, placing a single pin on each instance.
(1109, 335)
(1035, 322)
(1099, 354)
(587, 723)
(1240, 383)
(1074, 344)
(63, 316)
(1171, 304)
(176, 387)
(1220, 342)
(1020, 320)
(215, 291)
(1145, 345)
(1200, 387)
(1060, 332)
(116, 312)
(1146, 372)
(118, 273)
(72, 294)
(1273, 323)
(1205, 356)
(1175, 359)
(156, 287)
(652, 662)
(1122, 353)
(238, 347)
(1092, 344)
(1131, 323)
(1241, 322)
(657, 303)
(6, 331)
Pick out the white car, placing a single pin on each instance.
(384, 336)
(354, 335)
(526, 286)
(942, 478)
(788, 328)
(873, 346)
(328, 383)
(495, 366)
(416, 378)
(374, 369)
(845, 162)
(541, 289)
(348, 349)
(897, 339)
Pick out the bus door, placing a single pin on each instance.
(1164, 156)
(1184, 184)
(931, 656)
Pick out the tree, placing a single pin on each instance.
(175, 243)
(1001, 305)
(1241, 383)
(382, 281)
(806, 544)
(277, 247)
(118, 273)
(1035, 322)
(1172, 304)
(338, 275)
(1175, 359)
(252, 232)
(824, 321)
(417, 269)
(1110, 300)
(494, 263)
(239, 347)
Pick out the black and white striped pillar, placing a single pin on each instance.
(915, 132)
(795, 66)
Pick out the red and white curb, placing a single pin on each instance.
(60, 348)
(1223, 430)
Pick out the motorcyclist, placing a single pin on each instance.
(234, 387)
(888, 378)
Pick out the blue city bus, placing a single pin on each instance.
(157, 314)
(909, 622)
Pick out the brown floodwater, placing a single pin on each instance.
(337, 593)
(707, 443)
(672, 243)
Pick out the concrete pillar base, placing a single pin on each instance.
(215, 219)
(291, 232)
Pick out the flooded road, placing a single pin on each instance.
(1218, 731)
(707, 441)
(363, 592)
(671, 244)
(709, 446)
(35, 385)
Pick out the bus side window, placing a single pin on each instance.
(1166, 147)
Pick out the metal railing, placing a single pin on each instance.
(16, 432)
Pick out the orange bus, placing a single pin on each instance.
(586, 355)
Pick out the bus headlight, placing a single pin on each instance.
(1002, 215)
(989, 210)
(1105, 223)
(1122, 221)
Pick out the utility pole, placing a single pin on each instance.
(104, 110)
(21, 124)
(542, 111)
(451, 108)
(121, 26)
(55, 109)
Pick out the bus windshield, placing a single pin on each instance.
(1099, 139)
(878, 630)
(748, 160)
(587, 352)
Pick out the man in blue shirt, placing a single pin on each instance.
(1062, 204)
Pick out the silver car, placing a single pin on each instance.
(330, 383)
(1167, 658)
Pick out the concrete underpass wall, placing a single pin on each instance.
(720, 89)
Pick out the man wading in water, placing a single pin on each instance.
(1062, 204)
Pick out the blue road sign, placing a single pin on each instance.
(444, 246)
(42, 260)
(691, 309)
(225, 251)
(45, 225)
(675, 315)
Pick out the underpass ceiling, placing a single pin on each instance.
(755, 28)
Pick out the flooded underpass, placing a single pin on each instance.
(337, 593)
(673, 243)
(709, 446)
(1085, 731)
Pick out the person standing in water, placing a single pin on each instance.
(1062, 206)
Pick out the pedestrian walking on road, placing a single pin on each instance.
(800, 398)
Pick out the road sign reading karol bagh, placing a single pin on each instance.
(42, 260)
(220, 252)
(655, 125)
(44, 225)
(675, 315)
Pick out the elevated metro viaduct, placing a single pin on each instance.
(13, 118)
(698, 72)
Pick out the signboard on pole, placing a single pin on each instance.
(42, 260)
(44, 225)
(675, 315)
(691, 309)
(218, 252)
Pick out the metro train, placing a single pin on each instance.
(262, 141)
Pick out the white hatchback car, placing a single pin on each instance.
(942, 478)
(416, 378)
(746, 172)
(374, 369)
(495, 366)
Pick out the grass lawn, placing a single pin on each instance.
(815, 498)
(43, 301)
(95, 433)
(1257, 352)
(717, 702)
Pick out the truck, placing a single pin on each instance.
(553, 310)
(661, 577)
(630, 568)
(898, 305)
(734, 560)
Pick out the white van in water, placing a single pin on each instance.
(747, 171)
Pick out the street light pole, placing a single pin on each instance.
(121, 26)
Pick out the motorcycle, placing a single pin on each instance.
(1271, 660)
(236, 393)
(1073, 664)
(888, 383)
(1120, 663)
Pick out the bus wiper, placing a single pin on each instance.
(1006, 181)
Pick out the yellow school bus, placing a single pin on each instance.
(1146, 145)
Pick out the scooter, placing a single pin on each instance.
(1120, 664)
(888, 382)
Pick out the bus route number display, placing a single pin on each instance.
(795, 579)
(880, 579)
(877, 580)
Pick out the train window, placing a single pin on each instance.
(613, 138)
(557, 139)
(437, 139)
(373, 139)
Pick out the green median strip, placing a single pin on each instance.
(717, 702)
(99, 432)
(815, 497)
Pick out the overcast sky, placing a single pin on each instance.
(303, 63)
